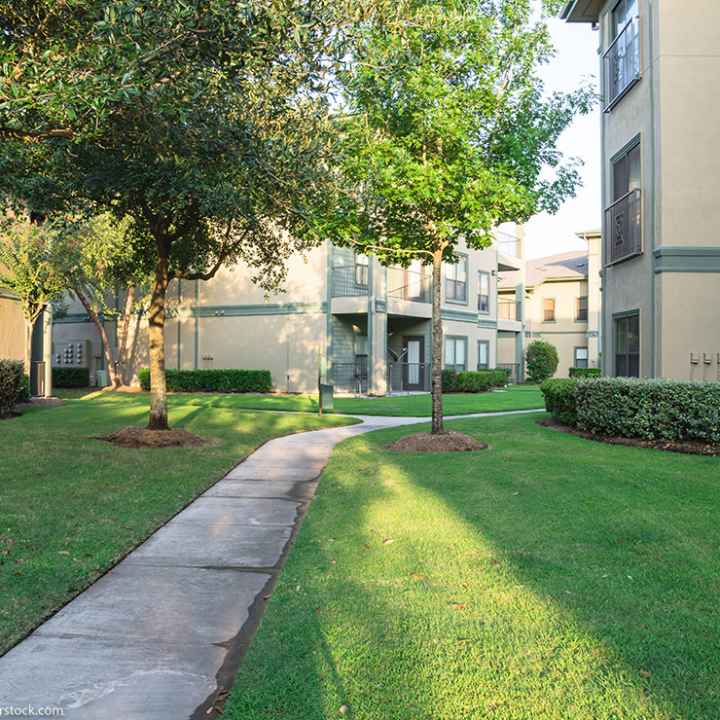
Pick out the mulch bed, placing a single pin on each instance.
(688, 447)
(443, 442)
(136, 437)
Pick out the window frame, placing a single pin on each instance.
(358, 268)
(486, 344)
(484, 275)
(455, 339)
(587, 356)
(462, 258)
(614, 35)
(617, 318)
(554, 310)
(579, 309)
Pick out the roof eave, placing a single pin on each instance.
(581, 11)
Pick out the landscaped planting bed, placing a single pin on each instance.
(672, 415)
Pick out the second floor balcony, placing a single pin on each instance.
(349, 280)
(623, 228)
(621, 63)
(508, 309)
(409, 284)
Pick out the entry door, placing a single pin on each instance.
(414, 366)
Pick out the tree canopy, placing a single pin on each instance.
(448, 133)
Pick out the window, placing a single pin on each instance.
(581, 357)
(549, 310)
(581, 313)
(361, 270)
(627, 346)
(623, 217)
(455, 353)
(483, 362)
(484, 292)
(456, 281)
(622, 58)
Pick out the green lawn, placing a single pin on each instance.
(547, 577)
(71, 506)
(516, 397)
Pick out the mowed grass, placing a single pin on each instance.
(71, 506)
(515, 397)
(546, 577)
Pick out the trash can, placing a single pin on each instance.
(326, 397)
(37, 379)
(101, 378)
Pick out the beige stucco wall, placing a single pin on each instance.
(690, 325)
(12, 330)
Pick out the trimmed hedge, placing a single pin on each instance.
(585, 372)
(225, 381)
(644, 409)
(542, 361)
(11, 385)
(559, 397)
(473, 381)
(70, 377)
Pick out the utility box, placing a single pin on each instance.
(75, 354)
(326, 397)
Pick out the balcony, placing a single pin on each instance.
(621, 63)
(508, 309)
(623, 228)
(349, 280)
(509, 249)
(409, 285)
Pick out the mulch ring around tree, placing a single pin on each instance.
(689, 447)
(424, 442)
(137, 437)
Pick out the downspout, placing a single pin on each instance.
(196, 349)
(370, 323)
(47, 347)
(653, 314)
(605, 354)
(179, 325)
(327, 369)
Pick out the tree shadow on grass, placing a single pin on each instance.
(550, 577)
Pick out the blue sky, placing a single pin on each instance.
(576, 61)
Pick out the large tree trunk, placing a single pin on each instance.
(102, 331)
(124, 341)
(437, 344)
(156, 333)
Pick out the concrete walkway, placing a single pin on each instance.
(158, 635)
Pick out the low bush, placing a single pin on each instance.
(11, 380)
(450, 381)
(220, 380)
(474, 381)
(650, 409)
(70, 377)
(560, 400)
(24, 391)
(542, 361)
(585, 372)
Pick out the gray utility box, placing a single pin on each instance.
(326, 396)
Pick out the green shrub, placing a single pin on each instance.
(24, 391)
(11, 379)
(501, 377)
(560, 399)
(450, 381)
(70, 377)
(474, 381)
(542, 361)
(649, 409)
(220, 380)
(585, 372)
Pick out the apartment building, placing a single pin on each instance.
(364, 327)
(660, 63)
(561, 305)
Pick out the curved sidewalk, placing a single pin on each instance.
(160, 633)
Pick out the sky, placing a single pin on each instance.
(576, 61)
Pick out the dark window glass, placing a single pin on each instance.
(627, 346)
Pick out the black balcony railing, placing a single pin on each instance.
(508, 310)
(350, 377)
(349, 280)
(622, 62)
(409, 285)
(409, 377)
(623, 227)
